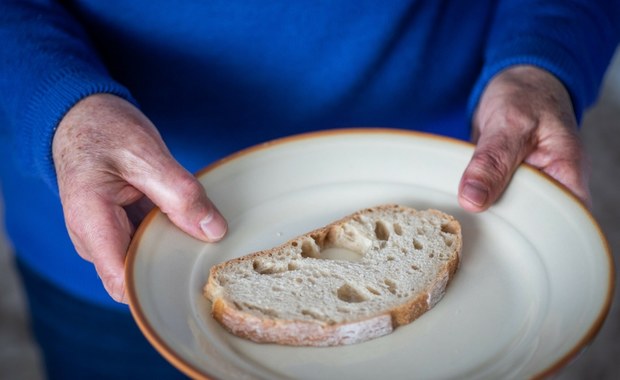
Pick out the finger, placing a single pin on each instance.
(561, 155)
(495, 159)
(101, 233)
(183, 199)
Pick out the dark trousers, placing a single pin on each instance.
(80, 340)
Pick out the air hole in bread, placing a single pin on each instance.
(415, 267)
(265, 267)
(312, 313)
(451, 227)
(382, 231)
(373, 291)
(342, 254)
(390, 258)
(349, 293)
(309, 248)
(391, 285)
(417, 244)
(398, 229)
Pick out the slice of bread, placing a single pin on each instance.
(348, 282)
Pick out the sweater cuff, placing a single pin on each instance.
(543, 54)
(50, 102)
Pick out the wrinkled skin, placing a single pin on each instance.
(112, 165)
(524, 115)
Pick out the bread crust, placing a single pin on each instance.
(266, 329)
(298, 333)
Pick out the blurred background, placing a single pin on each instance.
(19, 358)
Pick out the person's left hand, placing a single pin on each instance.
(524, 115)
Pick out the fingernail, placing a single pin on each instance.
(475, 193)
(116, 289)
(214, 226)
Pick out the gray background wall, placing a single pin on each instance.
(601, 133)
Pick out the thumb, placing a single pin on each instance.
(497, 155)
(182, 198)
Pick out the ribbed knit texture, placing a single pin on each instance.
(49, 103)
(572, 39)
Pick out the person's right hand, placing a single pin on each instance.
(111, 162)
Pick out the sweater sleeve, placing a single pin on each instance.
(572, 39)
(47, 65)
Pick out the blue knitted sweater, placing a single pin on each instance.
(217, 76)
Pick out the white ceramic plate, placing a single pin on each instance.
(533, 289)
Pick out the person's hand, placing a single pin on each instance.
(111, 163)
(524, 115)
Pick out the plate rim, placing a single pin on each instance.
(187, 368)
